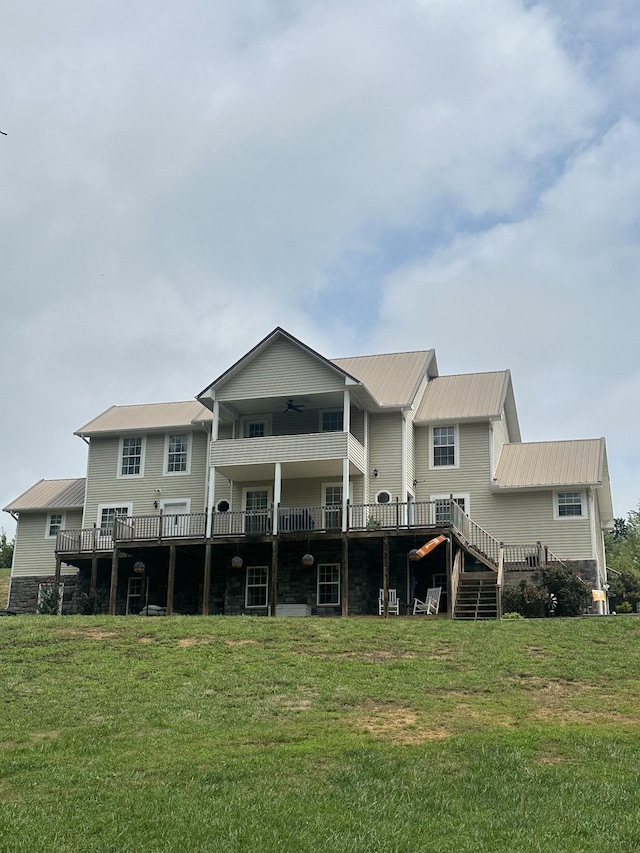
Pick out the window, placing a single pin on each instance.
(131, 457)
(50, 599)
(108, 514)
(177, 454)
(257, 586)
(256, 426)
(444, 446)
(332, 421)
(383, 498)
(441, 507)
(134, 595)
(569, 505)
(55, 522)
(328, 584)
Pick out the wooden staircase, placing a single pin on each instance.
(477, 596)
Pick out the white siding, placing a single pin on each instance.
(281, 370)
(104, 487)
(35, 552)
(385, 455)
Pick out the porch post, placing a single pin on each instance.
(211, 501)
(93, 583)
(277, 490)
(346, 417)
(56, 576)
(273, 593)
(344, 600)
(385, 575)
(114, 582)
(206, 586)
(171, 578)
(449, 559)
(345, 493)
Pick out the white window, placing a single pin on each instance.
(107, 514)
(131, 456)
(256, 426)
(441, 506)
(444, 447)
(257, 586)
(55, 523)
(332, 420)
(177, 453)
(328, 584)
(570, 505)
(135, 591)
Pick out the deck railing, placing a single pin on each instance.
(440, 514)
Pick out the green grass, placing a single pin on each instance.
(249, 734)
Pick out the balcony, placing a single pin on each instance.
(305, 455)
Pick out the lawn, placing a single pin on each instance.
(5, 576)
(252, 734)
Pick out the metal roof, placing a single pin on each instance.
(468, 395)
(147, 416)
(393, 378)
(50, 494)
(542, 464)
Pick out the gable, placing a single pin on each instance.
(281, 369)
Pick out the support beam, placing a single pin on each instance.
(93, 582)
(273, 593)
(345, 494)
(56, 576)
(206, 586)
(344, 597)
(277, 492)
(171, 579)
(449, 564)
(385, 575)
(114, 583)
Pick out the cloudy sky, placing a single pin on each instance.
(372, 175)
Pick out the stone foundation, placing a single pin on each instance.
(23, 597)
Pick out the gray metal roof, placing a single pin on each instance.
(147, 416)
(468, 395)
(541, 464)
(50, 494)
(393, 378)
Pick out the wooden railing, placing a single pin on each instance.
(455, 579)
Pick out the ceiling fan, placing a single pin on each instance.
(293, 407)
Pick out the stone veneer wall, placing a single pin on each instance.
(23, 596)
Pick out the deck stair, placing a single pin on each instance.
(477, 596)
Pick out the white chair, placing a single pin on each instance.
(431, 603)
(393, 604)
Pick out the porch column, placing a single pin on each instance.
(385, 575)
(346, 417)
(449, 564)
(273, 593)
(114, 583)
(345, 492)
(93, 583)
(211, 500)
(56, 576)
(404, 464)
(344, 599)
(277, 490)
(171, 578)
(206, 586)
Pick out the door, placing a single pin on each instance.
(256, 505)
(175, 520)
(332, 507)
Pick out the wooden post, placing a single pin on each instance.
(345, 576)
(171, 578)
(114, 583)
(56, 576)
(206, 589)
(449, 559)
(93, 583)
(385, 576)
(273, 596)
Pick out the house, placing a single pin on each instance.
(296, 484)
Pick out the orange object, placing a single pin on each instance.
(430, 545)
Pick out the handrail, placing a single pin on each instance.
(455, 579)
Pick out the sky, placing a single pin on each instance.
(177, 180)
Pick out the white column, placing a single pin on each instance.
(211, 499)
(403, 466)
(346, 418)
(277, 490)
(345, 491)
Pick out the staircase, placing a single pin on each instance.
(477, 596)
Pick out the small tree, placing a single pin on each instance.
(6, 551)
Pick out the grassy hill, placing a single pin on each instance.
(5, 577)
(250, 734)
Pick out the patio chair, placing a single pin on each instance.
(394, 604)
(431, 603)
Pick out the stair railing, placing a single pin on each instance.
(455, 579)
